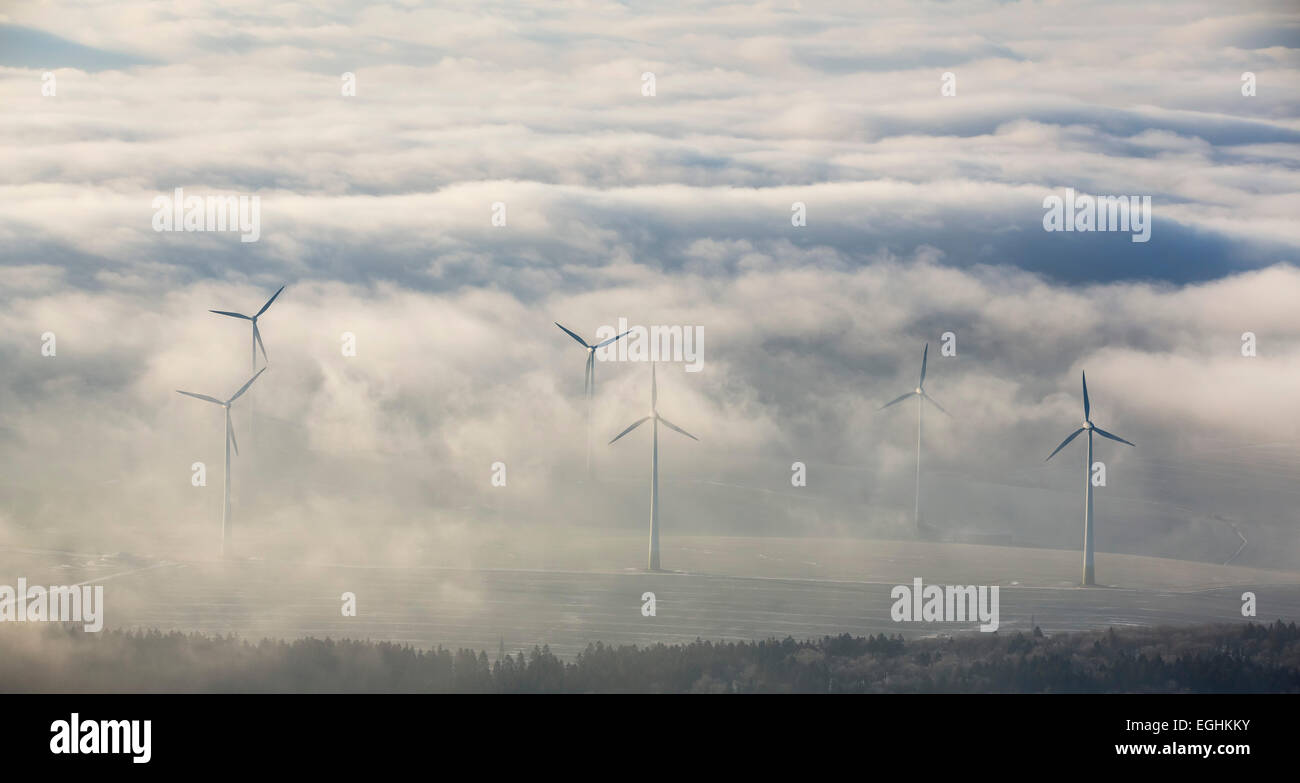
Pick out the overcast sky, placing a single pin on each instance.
(924, 216)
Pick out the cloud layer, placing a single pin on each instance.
(924, 217)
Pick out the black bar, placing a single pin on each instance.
(440, 734)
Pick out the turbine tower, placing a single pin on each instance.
(589, 380)
(1087, 477)
(654, 463)
(257, 333)
(921, 398)
(230, 441)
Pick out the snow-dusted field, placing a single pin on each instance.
(722, 589)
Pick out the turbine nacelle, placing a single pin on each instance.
(225, 404)
(653, 414)
(919, 390)
(589, 379)
(1087, 425)
(257, 333)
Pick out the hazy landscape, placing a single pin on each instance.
(721, 589)
(804, 257)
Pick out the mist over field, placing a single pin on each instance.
(924, 216)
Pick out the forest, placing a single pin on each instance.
(1244, 658)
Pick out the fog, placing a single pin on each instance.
(372, 453)
(924, 217)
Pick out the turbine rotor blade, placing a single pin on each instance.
(635, 424)
(232, 315)
(924, 357)
(1106, 434)
(1087, 406)
(581, 341)
(589, 388)
(257, 335)
(896, 400)
(935, 404)
(670, 425)
(269, 301)
(203, 397)
(1065, 443)
(612, 339)
(230, 433)
(244, 388)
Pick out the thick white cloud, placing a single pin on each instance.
(796, 361)
(924, 216)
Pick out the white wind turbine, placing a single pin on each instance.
(1087, 477)
(257, 343)
(654, 464)
(589, 379)
(230, 441)
(921, 398)
(257, 333)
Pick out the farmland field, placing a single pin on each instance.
(724, 589)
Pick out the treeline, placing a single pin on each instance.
(1253, 657)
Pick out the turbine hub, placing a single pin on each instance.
(1087, 425)
(918, 390)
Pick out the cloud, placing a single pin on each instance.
(796, 363)
(924, 217)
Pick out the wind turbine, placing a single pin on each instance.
(230, 441)
(589, 379)
(1087, 477)
(257, 342)
(921, 398)
(654, 463)
(257, 333)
